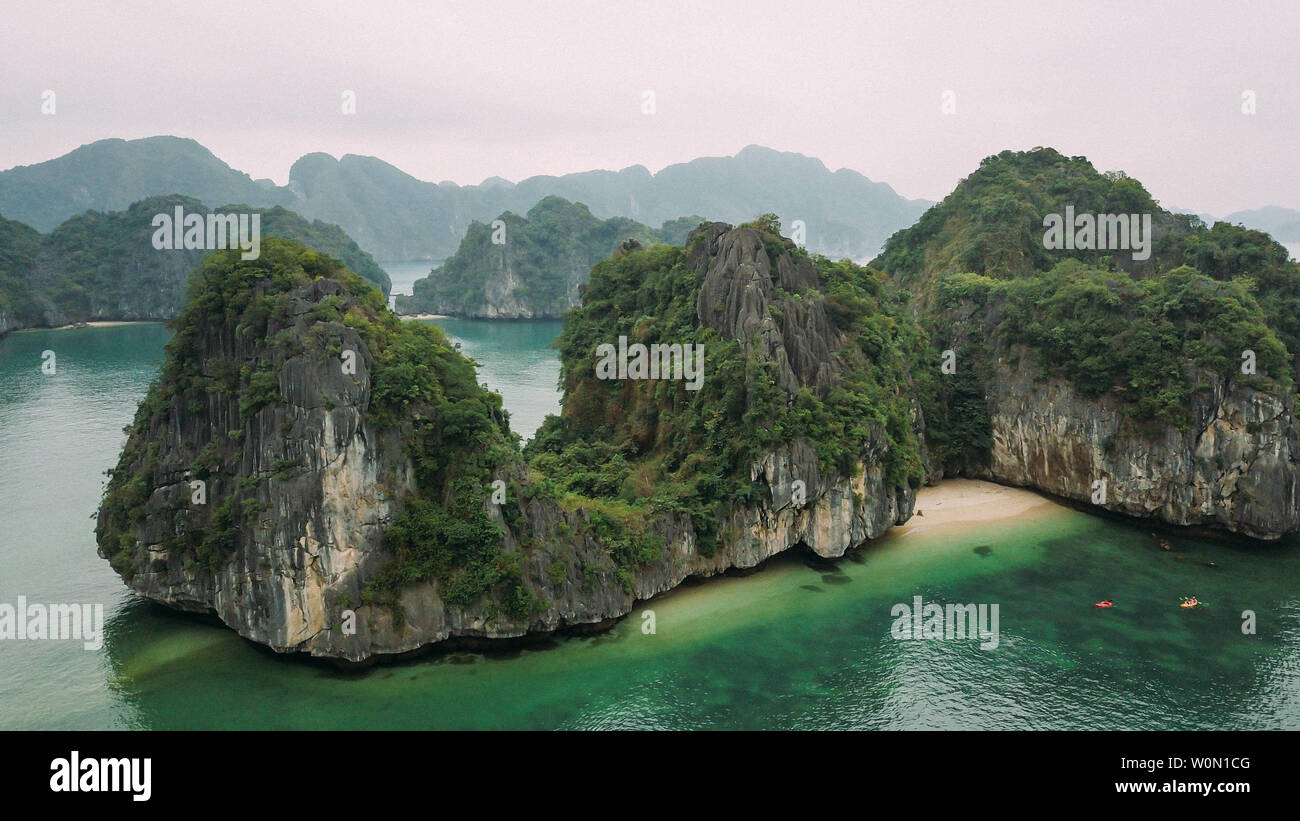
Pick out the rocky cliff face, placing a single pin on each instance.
(323, 480)
(504, 294)
(739, 288)
(318, 536)
(1237, 469)
(9, 323)
(590, 591)
(740, 282)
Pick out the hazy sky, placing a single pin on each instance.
(462, 91)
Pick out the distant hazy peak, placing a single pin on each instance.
(493, 182)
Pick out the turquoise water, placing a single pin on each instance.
(799, 644)
(403, 274)
(514, 357)
(515, 360)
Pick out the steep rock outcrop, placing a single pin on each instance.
(739, 288)
(1237, 468)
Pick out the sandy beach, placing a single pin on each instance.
(971, 501)
(424, 316)
(95, 324)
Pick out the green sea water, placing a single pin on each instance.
(801, 643)
(515, 360)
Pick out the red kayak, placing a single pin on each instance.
(1104, 604)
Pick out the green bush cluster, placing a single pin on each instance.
(1142, 340)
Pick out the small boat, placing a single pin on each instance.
(1106, 603)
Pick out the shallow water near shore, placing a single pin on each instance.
(801, 643)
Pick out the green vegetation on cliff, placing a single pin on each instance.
(653, 445)
(1143, 331)
(992, 222)
(812, 370)
(1139, 339)
(18, 247)
(457, 435)
(248, 326)
(533, 265)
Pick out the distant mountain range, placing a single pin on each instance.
(395, 216)
(1283, 224)
(110, 175)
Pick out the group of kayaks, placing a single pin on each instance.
(1188, 601)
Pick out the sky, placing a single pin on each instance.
(463, 91)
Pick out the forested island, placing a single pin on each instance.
(104, 265)
(529, 267)
(364, 496)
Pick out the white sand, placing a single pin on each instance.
(424, 316)
(968, 501)
(95, 324)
